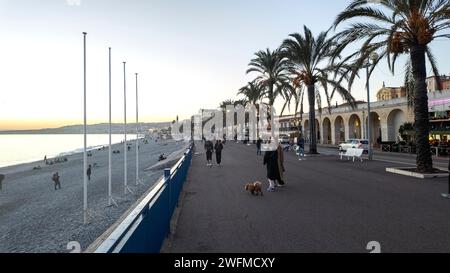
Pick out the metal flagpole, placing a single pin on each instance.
(110, 198)
(138, 180)
(85, 213)
(126, 188)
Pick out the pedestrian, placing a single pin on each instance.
(45, 159)
(258, 146)
(280, 161)
(2, 176)
(209, 147)
(88, 172)
(271, 163)
(301, 148)
(55, 179)
(218, 148)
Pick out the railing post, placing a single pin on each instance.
(169, 186)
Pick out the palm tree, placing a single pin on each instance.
(273, 75)
(311, 62)
(401, 27)
(252, 93)
(223, 105)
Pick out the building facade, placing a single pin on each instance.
(342, 122)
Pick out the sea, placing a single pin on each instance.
(25, 148)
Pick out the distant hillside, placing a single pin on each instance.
(102, 128)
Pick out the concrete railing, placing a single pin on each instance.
(148, 224)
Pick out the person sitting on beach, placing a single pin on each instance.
(162, 157)
(55, 179)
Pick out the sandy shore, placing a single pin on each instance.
(36, 218)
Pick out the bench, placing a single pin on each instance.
(353, 153)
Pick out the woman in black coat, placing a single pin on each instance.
(271, 162)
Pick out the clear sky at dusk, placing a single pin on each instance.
(190, 54)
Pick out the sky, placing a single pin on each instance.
(190, 54)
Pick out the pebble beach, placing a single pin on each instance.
(36, 218)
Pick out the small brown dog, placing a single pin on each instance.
(254, 188)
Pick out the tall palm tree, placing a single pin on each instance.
(399, 27)
(273, 75)
(311, 62)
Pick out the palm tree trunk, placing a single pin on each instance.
(271, 99)
(423, 160)
(312, 120)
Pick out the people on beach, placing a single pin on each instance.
(218, 148)
(258, 146)
(271, 163)
(301, 148)
(45, 159)
(89, 172)
(209, 147)
(280, 159)
(2, 177)
(55, 179)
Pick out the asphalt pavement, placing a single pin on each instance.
(327, 205)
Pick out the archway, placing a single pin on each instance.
(375, 129)
(339, 130)
(318, 131)
(395, 119)
(354, 126)
(326, 130)
(306, 130)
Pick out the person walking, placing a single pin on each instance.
(258, 146)
(209, 147)
(55, 179)
(2, 177)
(280, 161)
(89, 172)
(218, 148)
(271, 163)
(301, 148)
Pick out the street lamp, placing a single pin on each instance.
(372, 57)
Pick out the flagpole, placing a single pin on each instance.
(125, 128)
(85, 213)
(137, 132)
(110, 198)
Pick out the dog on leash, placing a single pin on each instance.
(254, 188)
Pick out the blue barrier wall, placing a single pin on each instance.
(147, 225)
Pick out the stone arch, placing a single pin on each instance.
(306, 129)
(375, 128)
(354, 126)
(394, 120)
(326, 131)
(318, 131)
(339, 130)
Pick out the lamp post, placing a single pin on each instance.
(373, 57)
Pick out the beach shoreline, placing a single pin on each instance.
(37, 218)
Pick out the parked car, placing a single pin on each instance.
(285, 141)
(355, 143)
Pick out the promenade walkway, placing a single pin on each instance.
(327, 206)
